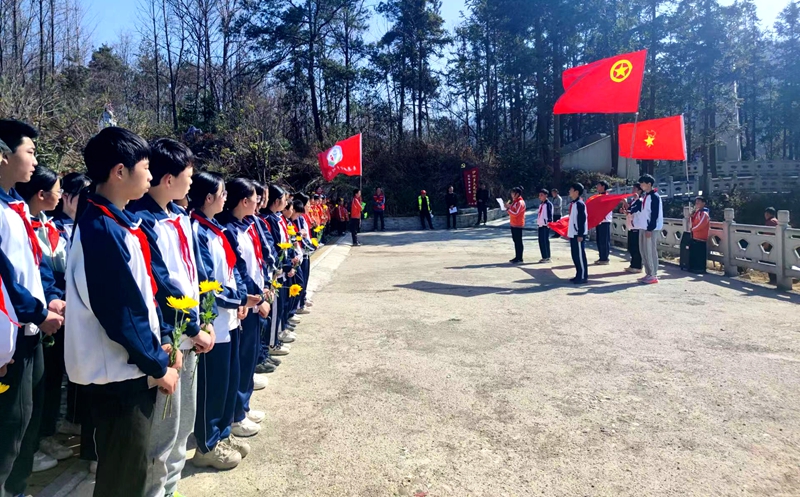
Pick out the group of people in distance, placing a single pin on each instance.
(164, 294)
(644, 211)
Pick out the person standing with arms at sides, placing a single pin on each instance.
(21, 407)
(577, 233)
(604, 230)
(218, 369)
(452, 209)
(113, 307)
(378, 209)
(698, 251)
(341, 217)
(633, 232)
(483, 204)
(425, 210)
(516, 214)
(355, 217)
(648, 219)
(42, 193)
(64, 216)
(558, 206)
(542, 220)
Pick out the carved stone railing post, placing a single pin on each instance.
(728, 258)
(783, 279)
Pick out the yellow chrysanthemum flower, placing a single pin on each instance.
(299, 238)
(285, 246)
(319, 228)
(290, 229)
(276, 285)
(210, 286)
(315, 242)
(295, 290)
(182, 304)
(4, 388)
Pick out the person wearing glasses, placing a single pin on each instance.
(65, 212)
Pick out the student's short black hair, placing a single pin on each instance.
(554, 190)
(771, 211)
(42, 179)
(701, 198)
(356, 191)
(4, 150)
(110, 147)
(299, 206)
(604, 184)
(260, 188)
(12, 132)
(302, 197)
(168, 156)
(646, 178)
(74, 183)
(518, 190)
(275, 193)
(543, 191)
(578, 188)
(204, 183)
(316, 197)
(637, 186)
(238, 189)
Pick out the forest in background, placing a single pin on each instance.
(272, 82)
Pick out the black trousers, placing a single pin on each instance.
(122, 433)
(544, 241)
(556, 217)
(53, 379)
(579, 258)
(355, 225)
(633, 249)
(423, 216)
(453, 217)
(482, 213)
(516, 235)
(378, 215)
(604, 240)
(21, 413)
(698, 256)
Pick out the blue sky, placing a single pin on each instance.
(109, 18)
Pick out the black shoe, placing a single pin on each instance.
(515, 261)
(274, 360)
(357, 244)
(576, 281)
(265, 368)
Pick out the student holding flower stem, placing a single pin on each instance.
(285, 266)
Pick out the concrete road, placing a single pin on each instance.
(429, 367)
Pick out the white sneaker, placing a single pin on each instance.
(222, 457)
(286, 347)
(275, 351)
(303, 311)
(287, 337)
(93, 467)
(260, 382)
(43, 462)
(256, 416)
(68, 428)
(239, 445)
(245, 428)
(52, 448)
(294, 320)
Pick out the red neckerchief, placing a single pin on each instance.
(139, 234)
(266, 223)
(284, 227)
(186, 252)
(19, 208)
(53, 235)
(251, 231)
(230, 255)
(3, 305)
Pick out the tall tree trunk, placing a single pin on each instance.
(155, 57)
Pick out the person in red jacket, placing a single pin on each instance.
(340, 217)
(355, 217)
(378, 209)
(516, 214)
(701, 222)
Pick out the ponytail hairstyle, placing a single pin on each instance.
(204, 184)
(238, 189)
(42, 179)
(275, 194)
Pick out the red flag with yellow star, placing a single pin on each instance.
(605, 87)
(657, 139)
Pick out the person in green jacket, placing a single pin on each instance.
(425, 209)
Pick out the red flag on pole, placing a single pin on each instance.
(605, 87)
(342, 158)
(597, 208)
(656, 139)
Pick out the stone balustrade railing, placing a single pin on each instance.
(771, 249)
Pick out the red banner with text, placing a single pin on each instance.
(471, 186)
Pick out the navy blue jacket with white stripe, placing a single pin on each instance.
(236, 232)
(578, 221)
(112, 331)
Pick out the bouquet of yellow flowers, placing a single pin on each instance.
(182, 305)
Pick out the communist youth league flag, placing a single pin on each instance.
(597, 208)
(604, 87)
(657, 139)
(342, 158)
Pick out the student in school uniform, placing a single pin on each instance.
(700, 225)
(42, 193)
(178, 271)
(516, 215)
(240, 204)
(604, 230)
(355, 217)
(113, 309)
(277, 201)
(64, 215)
(341, 216)
(263, 365)
(289, 308)
(304, 228)
(21, 357)
(217, 370)
(633, 232)
(544, 217)
(577, 232)
(648, 219)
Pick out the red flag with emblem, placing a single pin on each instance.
(605, 87)
(597, 208)
(342, 158)
(656, 139)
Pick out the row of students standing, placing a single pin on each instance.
(117, 279)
